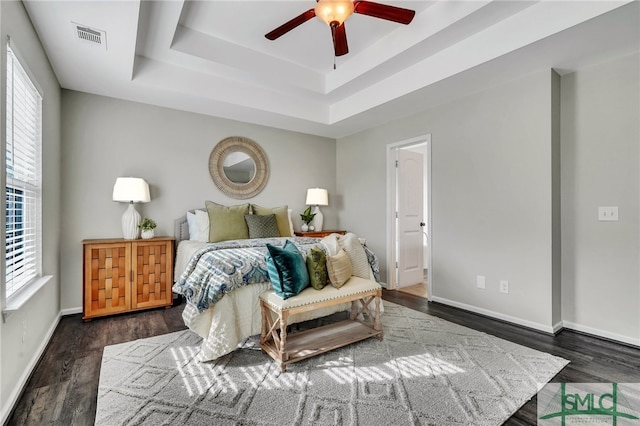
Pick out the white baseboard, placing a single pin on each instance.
(26, 374)
(557, 327)
(497, 315)
(71, 311)
(601, 333)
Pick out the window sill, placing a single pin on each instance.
(16, 301)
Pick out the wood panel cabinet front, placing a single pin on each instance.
(152, 274)
(126, 275)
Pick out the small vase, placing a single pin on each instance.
(312, 228)
(147, 233)
(304, 227)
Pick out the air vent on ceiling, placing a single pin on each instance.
(90, 35)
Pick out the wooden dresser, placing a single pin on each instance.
(126, 275)
(319, 234)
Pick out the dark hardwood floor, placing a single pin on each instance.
(64, 386)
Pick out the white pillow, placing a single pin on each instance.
(194, 229)
(202, 220)
(198, 223)
(359, 263)
(289, 211)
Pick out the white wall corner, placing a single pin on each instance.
(558, 327)
(71, 311)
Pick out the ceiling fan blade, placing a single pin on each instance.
(288, 26)
(339, 39)
(384, 11)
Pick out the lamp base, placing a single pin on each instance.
(130, 220)
(318, 219)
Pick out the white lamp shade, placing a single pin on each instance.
(317, 197)
(131, 190)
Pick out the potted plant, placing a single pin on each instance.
(307, 217)
(147, 226)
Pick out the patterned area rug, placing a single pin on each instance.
(425, 371)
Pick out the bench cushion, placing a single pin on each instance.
(310, 295)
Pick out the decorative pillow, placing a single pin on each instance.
(194, 229)
(282, 217)
(202, 218)
(359, 262)
(227, 222)
(317, 267)
(262, 226)
(287, 270)
(339, 268)
(289, 212)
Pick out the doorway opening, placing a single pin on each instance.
(409, 216)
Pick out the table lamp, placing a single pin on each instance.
(131, 190)
(317, 197)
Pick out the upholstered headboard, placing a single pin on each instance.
(181, 229)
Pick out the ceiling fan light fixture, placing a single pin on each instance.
(334, 11)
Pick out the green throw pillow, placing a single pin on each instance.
(262, 226)
(282, 217)
(287, 270)
(317, 267)
(227, 222)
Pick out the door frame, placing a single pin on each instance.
(391, 210)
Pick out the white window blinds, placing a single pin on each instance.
(23, 183)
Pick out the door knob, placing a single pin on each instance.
(422, 224)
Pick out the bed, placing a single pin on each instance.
(221, 283)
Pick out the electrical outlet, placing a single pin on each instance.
(504, 286)
(608, 214)
(480, 281)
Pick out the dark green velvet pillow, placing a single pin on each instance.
(262, 226)
(287, 270)
(317, 267)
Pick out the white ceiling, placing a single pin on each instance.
(211, 57)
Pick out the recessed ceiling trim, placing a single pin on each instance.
(254, 64)
(523, 29)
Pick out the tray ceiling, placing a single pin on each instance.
(211, 57)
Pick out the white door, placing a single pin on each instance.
(410, 193)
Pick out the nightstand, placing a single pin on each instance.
(319, 234)
(126, 275)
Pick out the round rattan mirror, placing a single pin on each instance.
(239, 167)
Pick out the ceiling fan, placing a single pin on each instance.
(335, 12)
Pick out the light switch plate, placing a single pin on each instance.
(608, 214)
(480, 281)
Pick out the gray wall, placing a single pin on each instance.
(491, 196)
(38, 317)
(518, 172)
(105, 138)
(600, 163)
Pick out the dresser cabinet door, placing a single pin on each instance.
(152, 265)
(107, 279)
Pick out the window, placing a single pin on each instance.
(23, 183)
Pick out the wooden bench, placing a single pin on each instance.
(286, 349)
